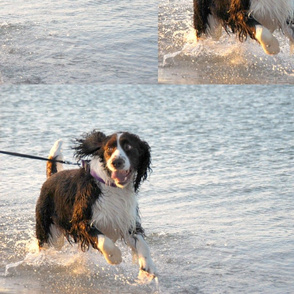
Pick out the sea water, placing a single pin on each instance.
(183, 60)
(217, 208)
(78, 42)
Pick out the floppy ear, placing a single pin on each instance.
(144, 168)
(89, 144)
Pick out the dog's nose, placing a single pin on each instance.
(118, 162)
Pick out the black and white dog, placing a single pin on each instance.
(96, 204)
(257, 19)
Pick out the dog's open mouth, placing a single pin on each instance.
(121, 177)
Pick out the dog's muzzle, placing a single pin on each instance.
(118, 163)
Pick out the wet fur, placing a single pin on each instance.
(233, 15)
(92, 144)
(256, 19)
(69, 198)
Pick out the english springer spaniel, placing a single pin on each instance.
(96, 204)
(257, 19)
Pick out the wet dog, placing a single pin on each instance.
(256, 19)
(96, 205)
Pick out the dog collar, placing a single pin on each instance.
(95, 176)
(86, 166)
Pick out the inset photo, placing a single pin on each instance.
(226, 42)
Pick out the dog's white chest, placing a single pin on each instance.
(115, 212)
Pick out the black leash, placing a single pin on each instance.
(37, 157)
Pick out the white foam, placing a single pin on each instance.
(230, 51)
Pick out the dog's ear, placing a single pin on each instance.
(145, 161)
(88, 145)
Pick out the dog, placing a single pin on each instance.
(256, 19)
(96, 204)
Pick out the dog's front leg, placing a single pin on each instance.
(268, 42)
(111, 253)
(141, 249)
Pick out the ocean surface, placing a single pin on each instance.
(217, 209)
(78, 42)
(183, 60)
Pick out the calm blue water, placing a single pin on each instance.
(78, 42)
(217, 209)
(182, 60)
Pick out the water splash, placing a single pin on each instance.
(183, 59)
(36, 259)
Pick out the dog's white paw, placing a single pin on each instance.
(269, 43)
(147, 265)
(147, 271)
(111, 253)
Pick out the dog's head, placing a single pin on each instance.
(124, 156)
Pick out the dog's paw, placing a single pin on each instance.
(268, 42)
(147, 271)
(111, 253)
(147, 267)
(113, 256)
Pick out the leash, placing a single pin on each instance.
(37, 157)
(84, 163)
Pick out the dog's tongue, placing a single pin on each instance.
(119, 175)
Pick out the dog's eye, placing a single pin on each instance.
(128, 147)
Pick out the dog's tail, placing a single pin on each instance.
(53, 167)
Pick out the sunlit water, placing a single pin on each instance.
(217, 209)
(183, 60)
(78, 42)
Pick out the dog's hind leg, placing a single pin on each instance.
(42, 229)
(56, 238)
(200, 17)
(214, 28)
(44, 209)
